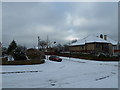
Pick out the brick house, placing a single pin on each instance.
(94, 45)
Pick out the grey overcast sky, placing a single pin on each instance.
(61, 21)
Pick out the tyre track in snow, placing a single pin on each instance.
(74, 61)
(104, 77)
(19, 72)
(99, 63)
(100, 78)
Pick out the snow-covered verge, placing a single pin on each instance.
(70, 73)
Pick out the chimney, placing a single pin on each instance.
(101, 36)
(105, 37)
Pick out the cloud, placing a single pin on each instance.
(62, 22)
(0, 22)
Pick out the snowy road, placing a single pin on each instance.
(70, 73)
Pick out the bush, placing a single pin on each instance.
(33, 54)
(18, 54)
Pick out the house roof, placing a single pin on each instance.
(113, 42)
(91, 39)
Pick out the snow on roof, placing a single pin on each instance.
(90, 39)
(113, 42)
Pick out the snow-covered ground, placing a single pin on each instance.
(70, 73)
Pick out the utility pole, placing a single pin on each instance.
(38, 42)
(85, 47)
(69, 50)
(118, 49)
(47, 47)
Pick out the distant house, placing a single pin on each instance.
(94, 45)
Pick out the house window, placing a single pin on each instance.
(97, 45)
(82, 47)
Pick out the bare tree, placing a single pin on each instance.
(43, 44)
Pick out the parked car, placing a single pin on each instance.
(55, 58)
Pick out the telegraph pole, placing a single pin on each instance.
(69, 50)
(47, 47)
(118, 49)
(38, 42)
